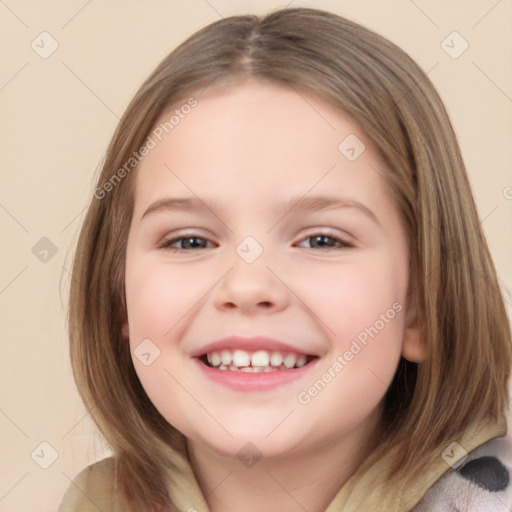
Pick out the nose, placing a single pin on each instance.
(252, 287)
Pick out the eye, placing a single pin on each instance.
(193, 242)
(185, 243)
(325, 241)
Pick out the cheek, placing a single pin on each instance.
(350, 297)
(159, 295)
(361, 310)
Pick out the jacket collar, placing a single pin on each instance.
(367, 492)
(364, 491)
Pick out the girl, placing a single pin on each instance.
(282, 295)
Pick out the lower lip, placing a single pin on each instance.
(261, 381)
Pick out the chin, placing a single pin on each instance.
(249, 446)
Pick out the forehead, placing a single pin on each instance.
(256, 140)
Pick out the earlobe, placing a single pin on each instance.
(414, 347)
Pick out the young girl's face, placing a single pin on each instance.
(327, 280)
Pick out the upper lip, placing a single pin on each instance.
(248, 343)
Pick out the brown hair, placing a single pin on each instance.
(452, 278)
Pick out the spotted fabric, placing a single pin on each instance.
(481, 483)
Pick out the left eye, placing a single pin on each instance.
(322, 241)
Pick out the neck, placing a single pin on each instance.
(297, 482)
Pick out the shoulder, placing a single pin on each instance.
(481, 481)
(92, 489)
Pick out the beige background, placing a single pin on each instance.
(58, 114)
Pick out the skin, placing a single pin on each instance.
(252, 147)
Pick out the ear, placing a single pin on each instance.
(414, 347)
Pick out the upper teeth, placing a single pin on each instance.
(260, 358)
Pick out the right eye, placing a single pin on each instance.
(186, 243)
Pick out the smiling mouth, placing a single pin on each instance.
(257, 361)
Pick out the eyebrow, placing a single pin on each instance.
(294, 205)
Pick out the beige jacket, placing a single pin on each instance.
(94, 488)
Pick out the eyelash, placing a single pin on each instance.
(167, 243)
